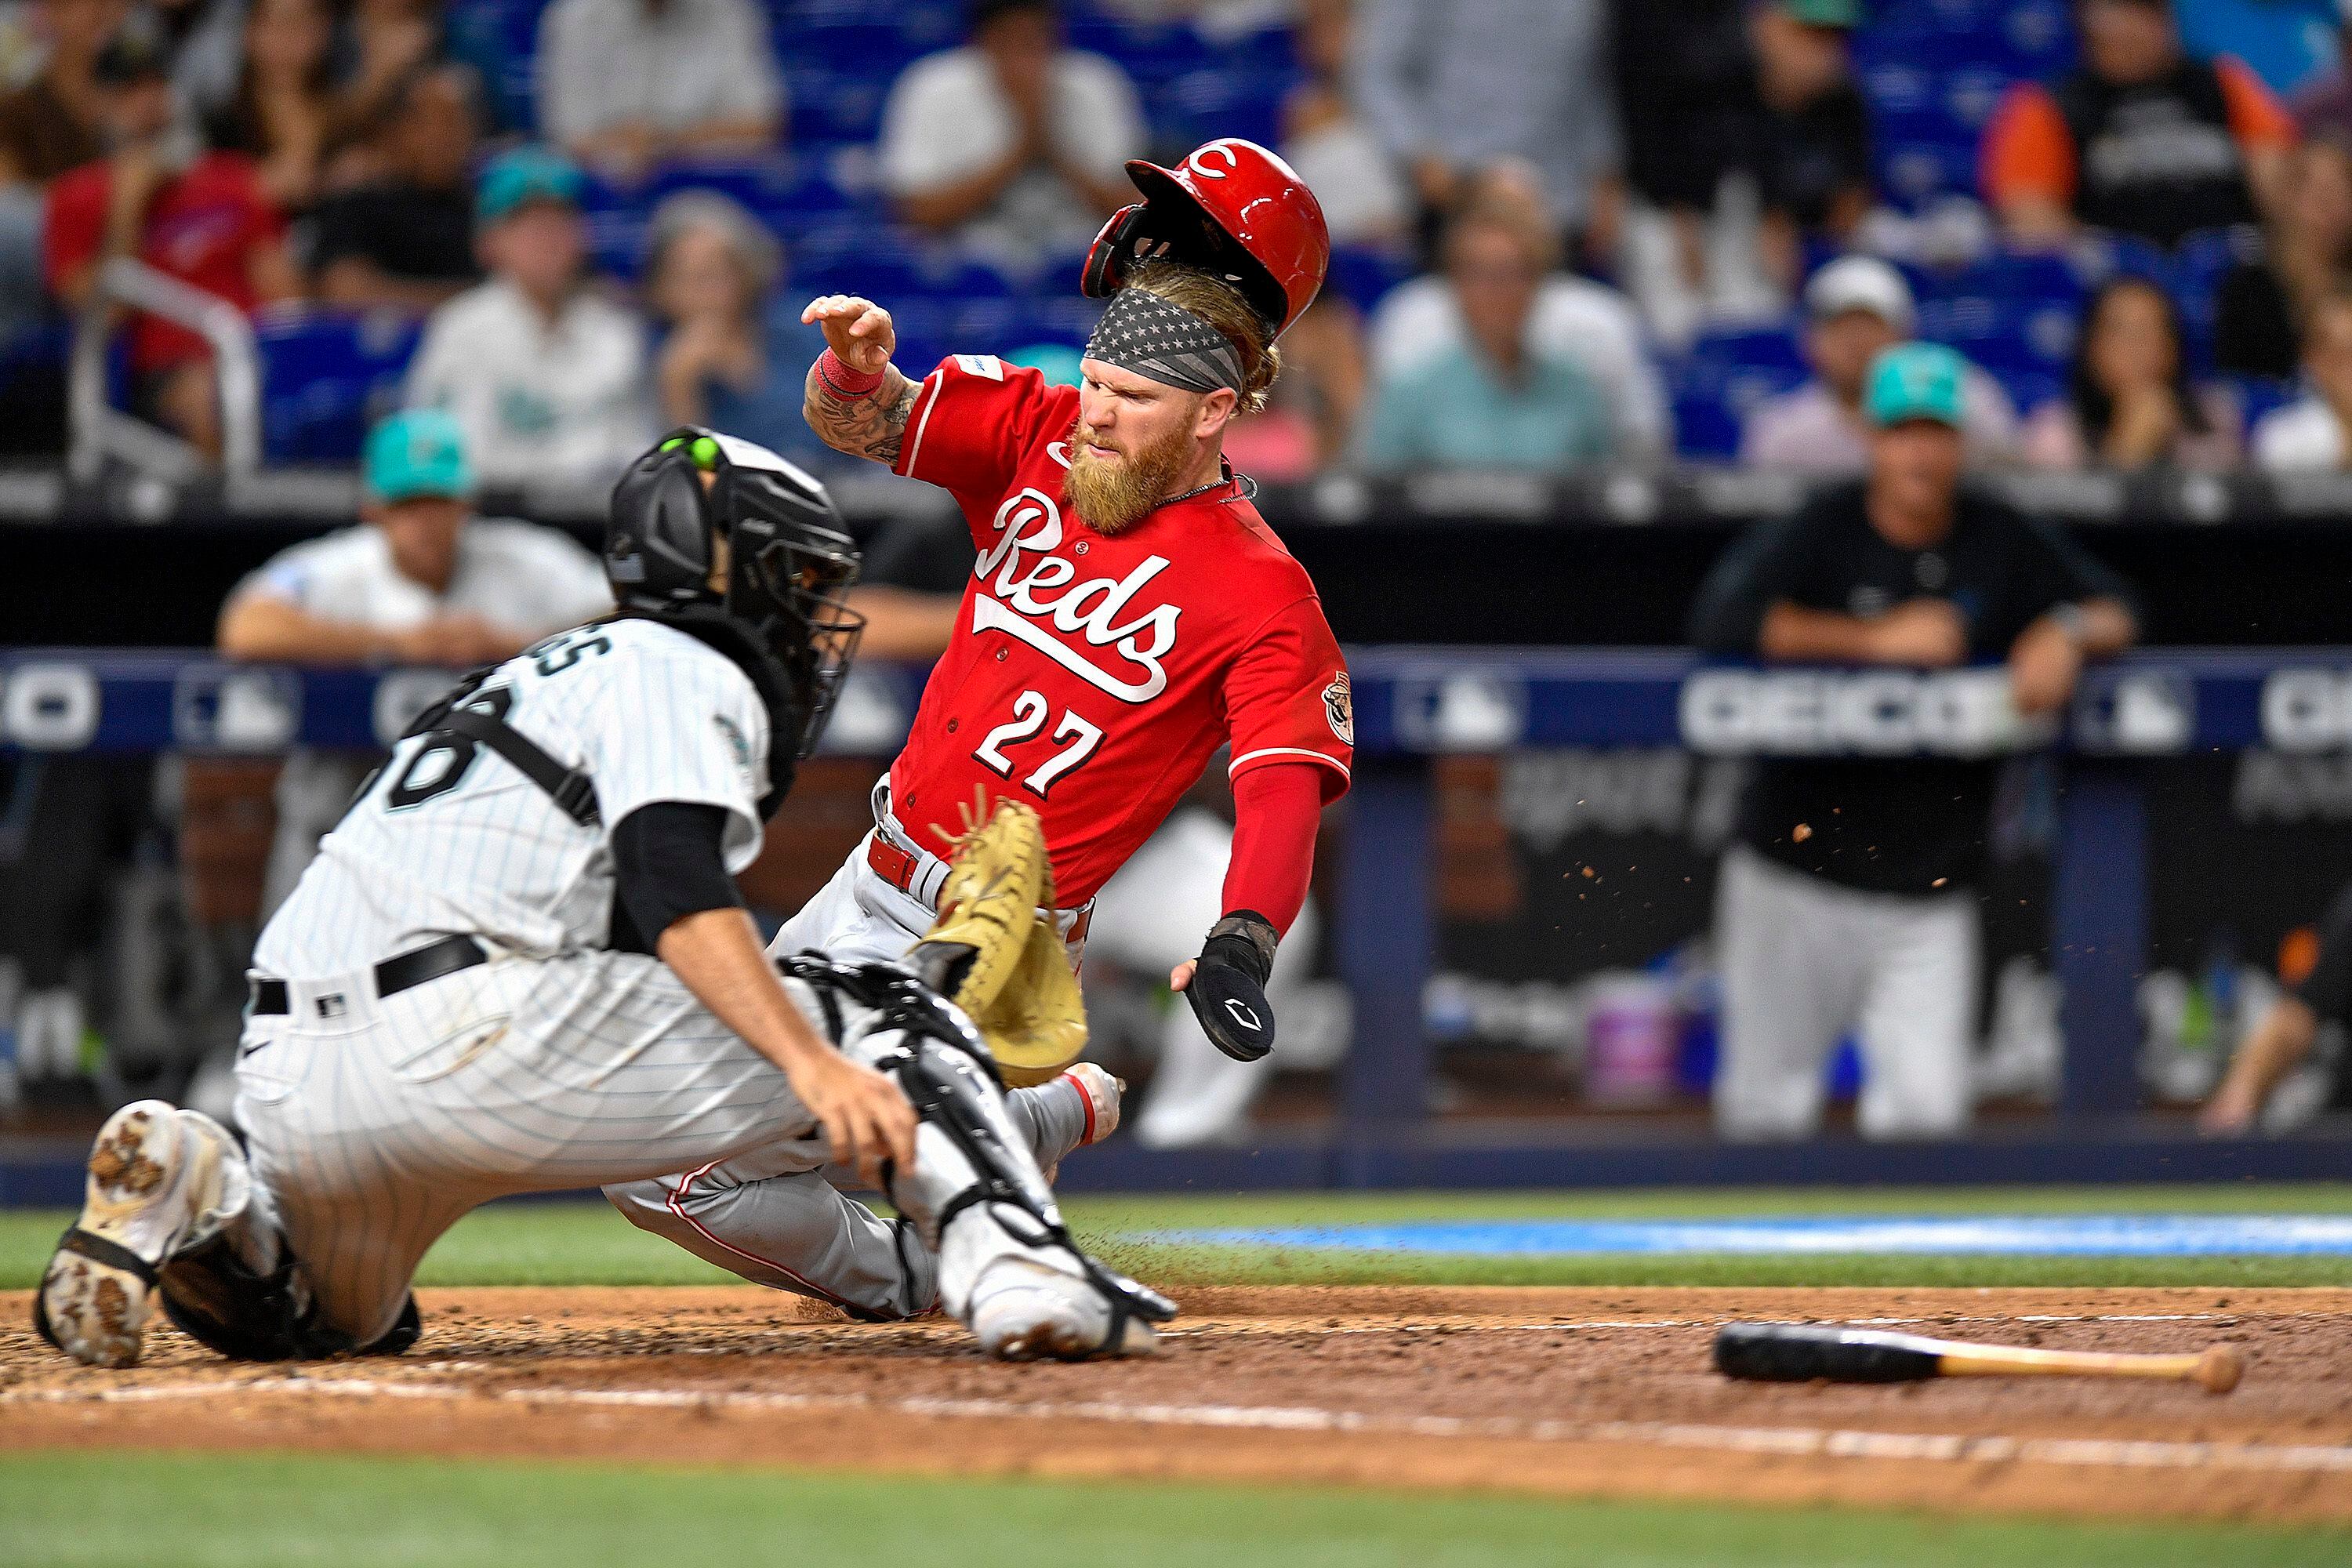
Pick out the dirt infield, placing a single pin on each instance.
(1592, 1391)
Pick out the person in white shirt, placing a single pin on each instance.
(625, 83)
(546, 378)
(2310, 434)
(1012, 145)
(422, 581)
(1856, 308)
(1573, 318)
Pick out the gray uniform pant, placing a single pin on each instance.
(1803, 961)
(372, 1125)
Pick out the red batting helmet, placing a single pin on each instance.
(1231, 208)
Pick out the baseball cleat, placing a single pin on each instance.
(1024, 1309)
(155, 1173)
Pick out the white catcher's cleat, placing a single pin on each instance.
(1031, 1302)
(156, 1175)
(1025, 1309)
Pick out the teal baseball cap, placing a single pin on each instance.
(416, 453)
(1913, 381)
(526, 175)
(1824, 13)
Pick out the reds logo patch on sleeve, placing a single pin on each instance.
(1340, 708)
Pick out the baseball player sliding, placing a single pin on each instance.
(1129, 613)
(520, 963)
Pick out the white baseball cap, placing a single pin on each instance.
(1862, 283)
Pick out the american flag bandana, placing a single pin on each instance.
(1166, 342)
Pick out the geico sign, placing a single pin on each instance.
(2307, 710)
(1869, 713)
(48, 707)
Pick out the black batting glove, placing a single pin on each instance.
(1228, 986)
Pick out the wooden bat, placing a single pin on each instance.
(1806, 1352)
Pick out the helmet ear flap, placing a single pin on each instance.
(1106, 259)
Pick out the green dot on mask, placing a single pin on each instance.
(705, 452)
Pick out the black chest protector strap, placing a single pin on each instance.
(573, 792)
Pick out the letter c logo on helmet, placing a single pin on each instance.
(1231, 210)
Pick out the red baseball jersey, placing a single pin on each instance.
(1093, 676)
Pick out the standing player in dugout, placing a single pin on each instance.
(1129, 613)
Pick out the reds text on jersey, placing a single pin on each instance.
(1093, 676)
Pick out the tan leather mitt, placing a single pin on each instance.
(995, 953)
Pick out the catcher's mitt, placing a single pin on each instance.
(994, 954)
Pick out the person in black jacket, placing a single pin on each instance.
(1845, 900)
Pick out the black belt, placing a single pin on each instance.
(268, 998)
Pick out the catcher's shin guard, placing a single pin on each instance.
(973, 1168)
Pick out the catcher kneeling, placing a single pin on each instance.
(520, 963)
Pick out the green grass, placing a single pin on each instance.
(64, 1511)
(586, 1243)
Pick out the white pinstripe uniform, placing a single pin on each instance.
(374, 1123)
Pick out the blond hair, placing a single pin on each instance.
(1220, 305)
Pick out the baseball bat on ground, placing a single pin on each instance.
(1805, 1353)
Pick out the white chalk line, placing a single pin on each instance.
(1791, 1442)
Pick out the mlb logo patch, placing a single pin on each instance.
(985, 366)
(332, 1006)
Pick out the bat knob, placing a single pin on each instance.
(2219, 1368)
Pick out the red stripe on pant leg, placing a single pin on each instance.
(685, 1185)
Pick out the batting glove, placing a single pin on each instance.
(1228, 986)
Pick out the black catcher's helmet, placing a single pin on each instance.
(790, 561)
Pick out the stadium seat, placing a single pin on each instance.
(325, 378)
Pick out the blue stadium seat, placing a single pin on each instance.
(1723, 377)
(325, 378)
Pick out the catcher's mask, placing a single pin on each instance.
(790, 561)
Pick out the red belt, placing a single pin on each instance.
(892, 864)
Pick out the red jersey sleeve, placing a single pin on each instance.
(1287, 698)
(974, 419)
(73, 224)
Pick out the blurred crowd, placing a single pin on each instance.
(1570, 232)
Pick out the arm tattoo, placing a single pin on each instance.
(869, 426)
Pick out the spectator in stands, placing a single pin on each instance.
(1846, 899)
(1363, 197)
(1013, 144)
(49, 125)
(286, 114)
(1684, 78)
(53, 122)
(2129, 404)
(625, 84)
(403, 239)
(200, 217)
(2315, 433)
(2140, 139)
(2316, 1002)
(1574, 319)
(2313, 253)
(1497, 399)
(422, 581)
(384, 44)
(205, 41)
(1811, 152)
(1856, 308)
(1448, 86)
(1784, 148)
(731, 359)
(546, 378)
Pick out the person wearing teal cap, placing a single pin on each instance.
(422, 581)
(546, 378)
(1847, 901)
